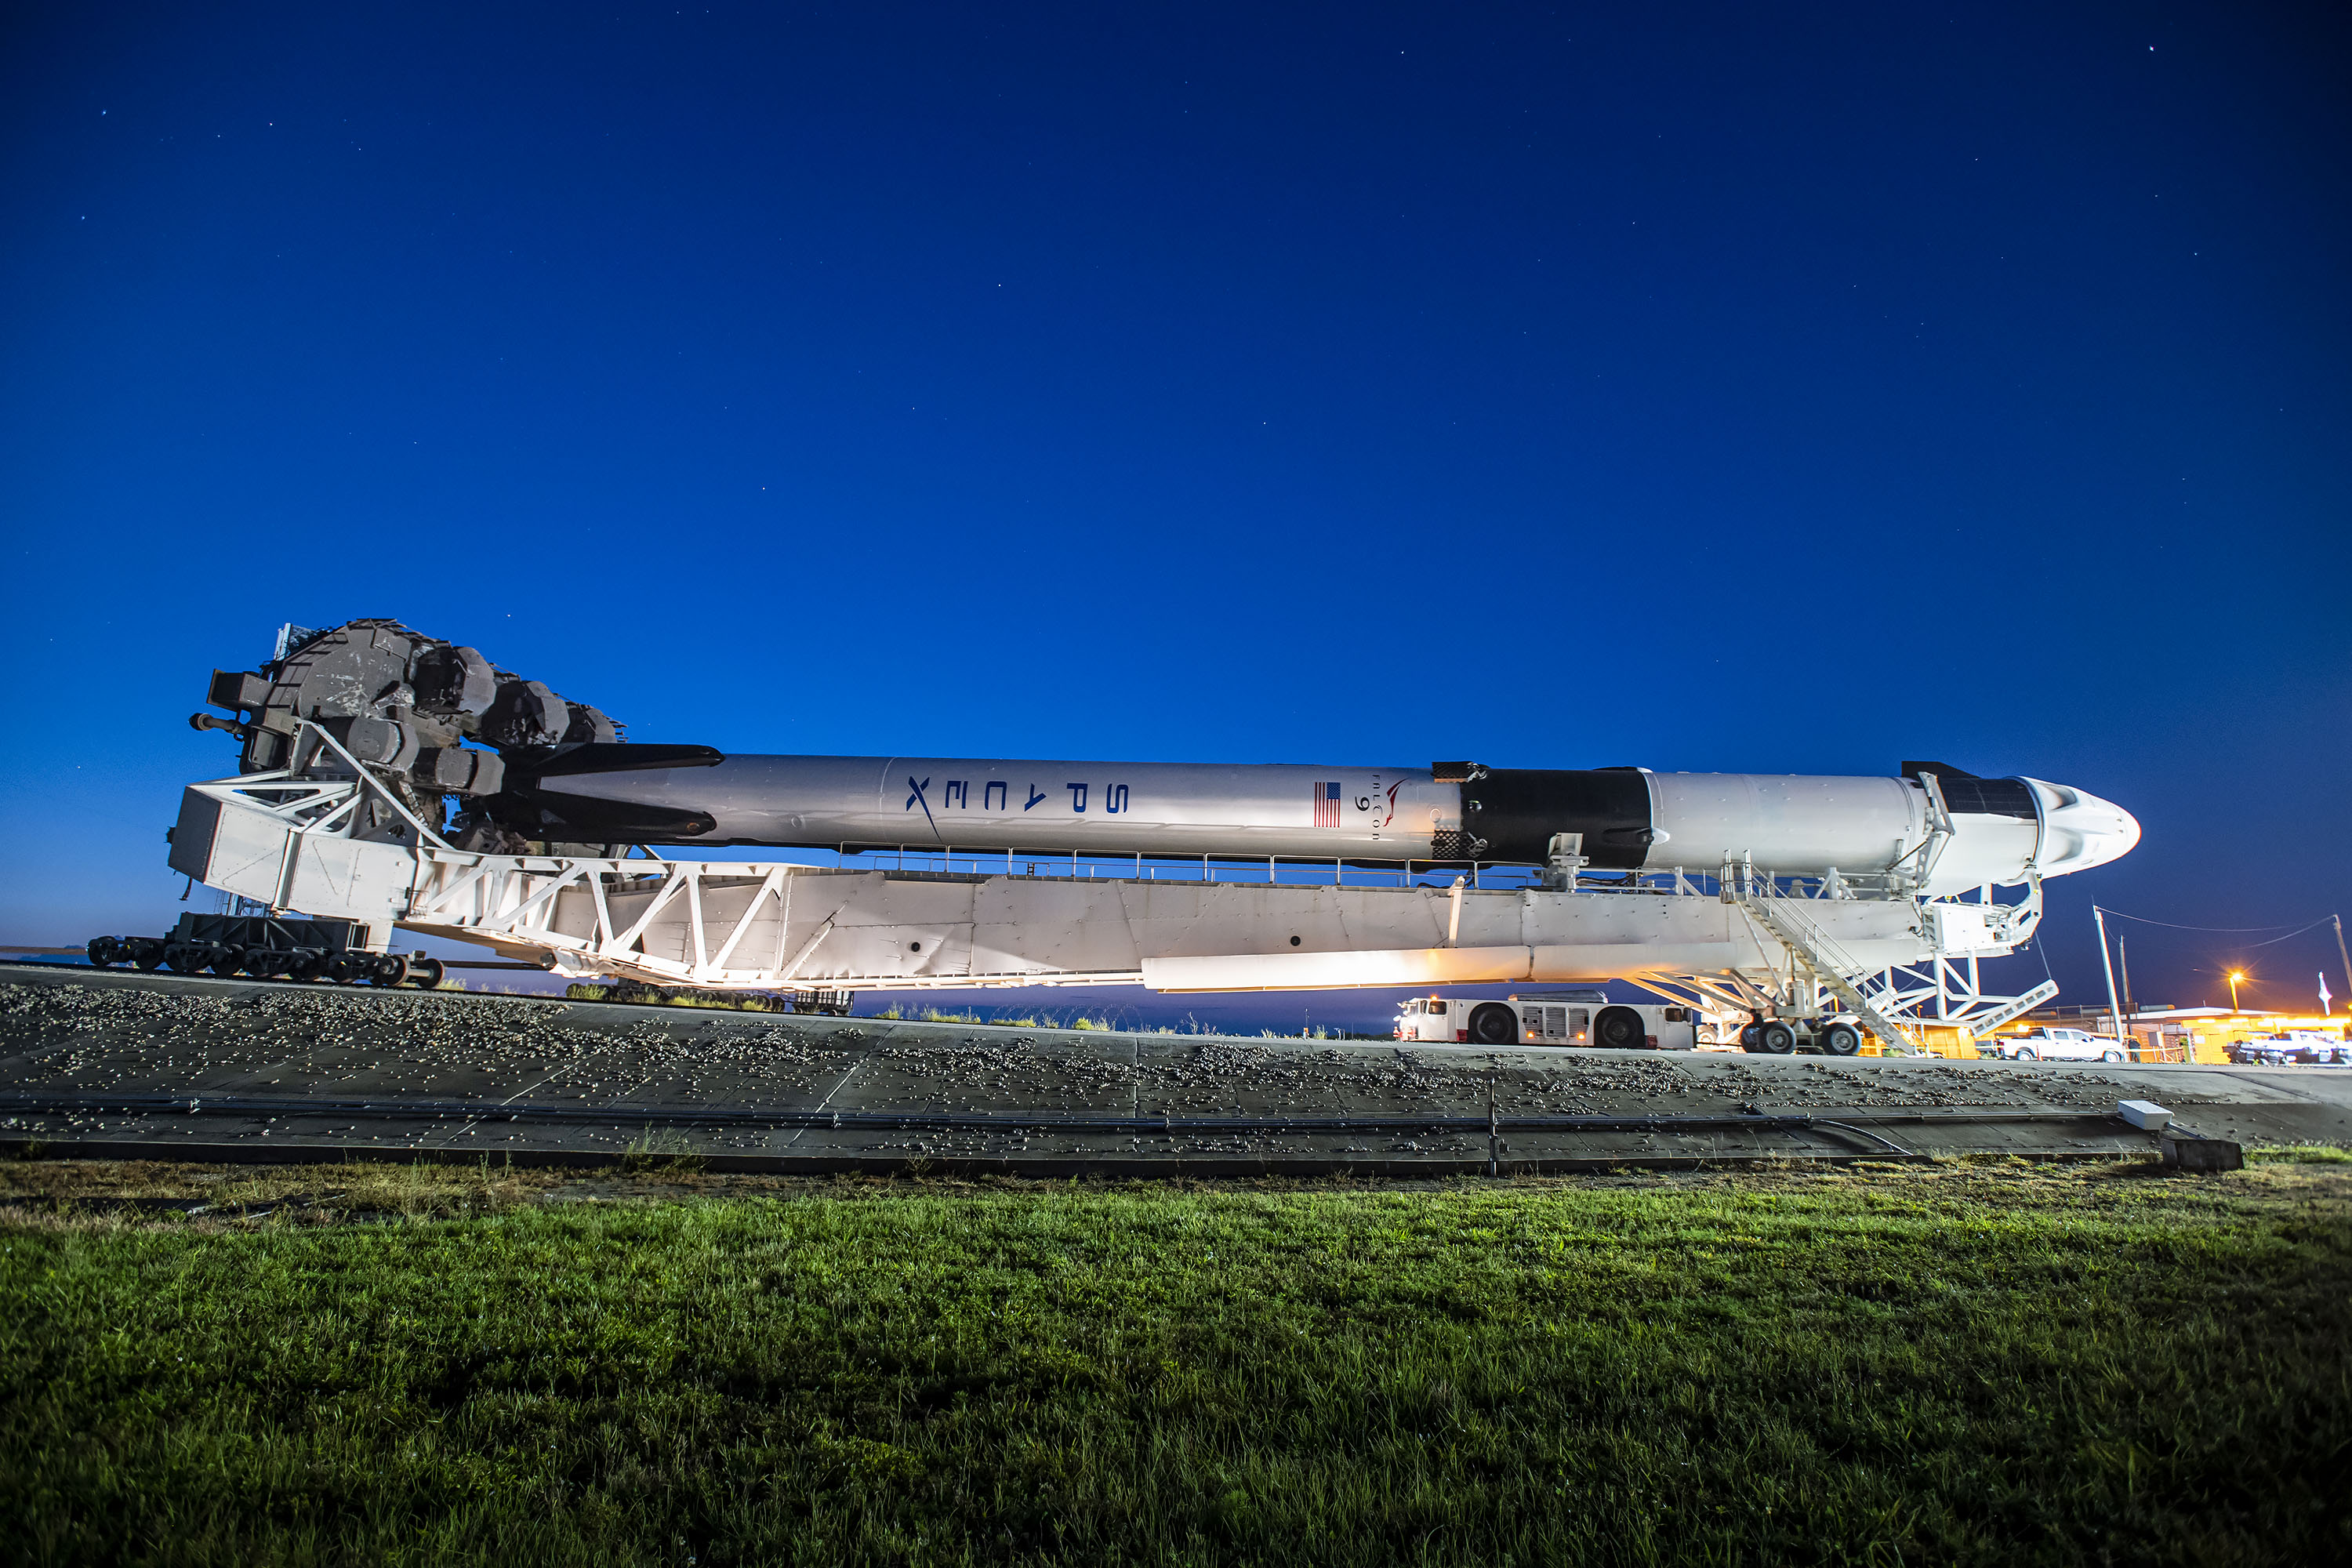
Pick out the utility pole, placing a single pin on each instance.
(2340, 952)
(2132, 1009)
(2105, 964)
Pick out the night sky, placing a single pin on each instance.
(1702, 389)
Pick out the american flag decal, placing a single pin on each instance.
(1327, 804)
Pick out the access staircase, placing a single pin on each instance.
(1811, 950)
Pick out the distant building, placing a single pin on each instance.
(2161, 1033)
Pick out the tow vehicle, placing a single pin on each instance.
(1548, 1018)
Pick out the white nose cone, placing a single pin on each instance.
(2080, 831)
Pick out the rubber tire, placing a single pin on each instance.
(2111, 1056)
(1620, 1029)
(2026, 1054)
(1841, 1040)
(1751, 1037)
(1776, 1039)
(1494, 1025)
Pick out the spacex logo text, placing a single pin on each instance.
(996, 797)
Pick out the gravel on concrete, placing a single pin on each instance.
(84, 1033)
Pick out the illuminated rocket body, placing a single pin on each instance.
(2000, 831)
(1838, 904)
(528, 766)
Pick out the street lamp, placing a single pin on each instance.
(2235, 975)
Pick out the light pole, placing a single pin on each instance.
(2114, 1008)
(2235, 975)
(2347, 957)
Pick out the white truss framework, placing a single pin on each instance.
(329, 838)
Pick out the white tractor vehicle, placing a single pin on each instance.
(1554, 1018)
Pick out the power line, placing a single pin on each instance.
(2145, 921)
(2231, 931)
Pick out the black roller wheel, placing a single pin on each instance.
(391, 969)
(349, 968)
(427, 973)
(1776, 1039)
(1841, 1039)
(1495, 1025)
(303, 964)
(1751, 1038)
(1620, 1029)
(227, 960)
(105, 953)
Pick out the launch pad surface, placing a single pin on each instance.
(107, 1064)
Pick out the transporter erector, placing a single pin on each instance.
(1784, 898)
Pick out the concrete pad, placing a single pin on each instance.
(168, 1066)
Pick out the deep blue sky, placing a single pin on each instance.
(1703, 389)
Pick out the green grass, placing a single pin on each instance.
(1965, 1363)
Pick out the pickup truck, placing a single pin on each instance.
(2053, 1045)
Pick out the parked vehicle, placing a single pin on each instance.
(2291, 1048)
(2054, 1045)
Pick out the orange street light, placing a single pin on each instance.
(2235, 976)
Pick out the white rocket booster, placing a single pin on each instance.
(1962, 830)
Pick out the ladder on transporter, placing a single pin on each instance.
(1818, 958)
(1811, 950)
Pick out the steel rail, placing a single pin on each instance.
(249, 1106)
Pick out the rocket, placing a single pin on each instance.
(435, 721)
(1941, 828)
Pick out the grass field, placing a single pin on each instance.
(1973, 1363)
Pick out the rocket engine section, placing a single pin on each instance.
(402, 703)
